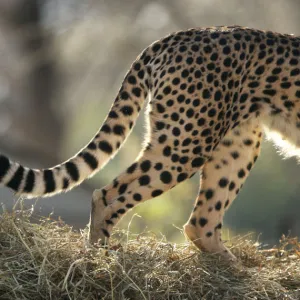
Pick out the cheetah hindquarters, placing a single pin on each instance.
(222, 178)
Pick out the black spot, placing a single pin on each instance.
(132, 168)
(92, 146)
(167, 90)
(295, 72)
(181, 177)
(218, 205)
(4, 166)
(119, 129)
(166, 177)
(105, 232)
(183, 160)
(121, 211)
(141, 74)
(158, 166)
(156, 47)
(16, 180)
(223, 41)
(209, 194)
(160, 108)
(190, 113)
(201, 122)
(253, 84)
(226, 203)
(198, 162)
(114, 216)
(113, 115)
(160, 125)
(29, 183)
(209, 234)
(175, 117)
(156, 193)
(248, 142)
(105, 128)
(186, 142)
(254, 107)
(182, 48)
(235, 155)
(206, 132)
(288, 104)
(145, 165)
(197, 150)
(241, 173)
(127, 110)
(188, 127)
(269, 92)
(72, 170)
(167, 151)
(49, 181)
(122, 188)
(147, 59)
(170, 102)
(65, 183)
(202, 222)
(137, 66)
(219, 226)
(90, 160)
(137, 197)
(227, 62)
(175, 157)
(121, 199)
(178, 58)
(193, 221)
(195, 48)
(131, 79)
(105, 147)
(124, 95)
(285, 85)
(293, 61)
(162, 138)
(176, 131)
(226, 50)
(223, 182)
(206, 94)
(231, 186)
(144, 180)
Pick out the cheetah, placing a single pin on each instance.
(212, 94)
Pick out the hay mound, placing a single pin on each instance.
(50, 261)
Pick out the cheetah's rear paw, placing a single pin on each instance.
(211, 245)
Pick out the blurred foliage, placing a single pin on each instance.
(96, 42)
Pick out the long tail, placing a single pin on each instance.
(104, 145)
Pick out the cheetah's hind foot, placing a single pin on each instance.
(214, 246)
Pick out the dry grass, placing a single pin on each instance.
(50, 261)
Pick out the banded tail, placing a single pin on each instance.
(93, 157)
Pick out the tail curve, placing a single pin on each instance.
(90, 159)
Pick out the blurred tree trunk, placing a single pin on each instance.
(32, 125)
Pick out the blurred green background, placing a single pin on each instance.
(61, 65)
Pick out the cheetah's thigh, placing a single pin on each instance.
(222, 178)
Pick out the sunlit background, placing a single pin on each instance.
(61, 65)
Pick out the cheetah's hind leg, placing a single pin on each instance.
(149, 177)
(223, 177)
(103, 197)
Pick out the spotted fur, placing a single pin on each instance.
(213, 91)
